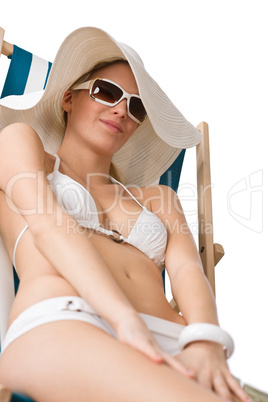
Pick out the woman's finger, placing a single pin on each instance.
(205, 377)
(221, 387)
(155, 353)
(236, 389)
(176, 365)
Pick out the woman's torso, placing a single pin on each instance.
(137, 275)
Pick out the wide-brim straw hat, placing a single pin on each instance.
(156, 142)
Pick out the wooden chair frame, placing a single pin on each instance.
(5, 48)
(210, 253)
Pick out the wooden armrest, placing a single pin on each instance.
(6, 48)
(218, 253)
(174, 305)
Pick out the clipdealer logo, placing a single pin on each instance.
(245, 201)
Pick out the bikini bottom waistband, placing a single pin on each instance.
(75, 308)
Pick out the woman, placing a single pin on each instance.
(90, 320)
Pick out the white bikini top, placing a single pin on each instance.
(148, 234)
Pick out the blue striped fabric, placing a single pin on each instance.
(21, 77)
(20, 398)
(48, 71)
(172, 176)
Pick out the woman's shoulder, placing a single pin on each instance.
(158, 190)
(155, 197)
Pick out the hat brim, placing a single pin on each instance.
(154, 145)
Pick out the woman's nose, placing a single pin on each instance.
(120, 109)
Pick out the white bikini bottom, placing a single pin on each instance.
(165, 332)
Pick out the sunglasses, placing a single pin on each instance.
(110, 94)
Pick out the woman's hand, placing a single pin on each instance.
(133, 332)
(207, 362)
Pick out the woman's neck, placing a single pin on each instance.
(84, 164)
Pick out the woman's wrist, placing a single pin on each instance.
(206, 332)
(125, 314)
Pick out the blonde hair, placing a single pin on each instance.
(85, 77)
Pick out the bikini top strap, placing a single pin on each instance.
(121, 184)
(16, 245)
(57, 163)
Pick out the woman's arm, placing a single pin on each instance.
(190, 287)
(194, 296)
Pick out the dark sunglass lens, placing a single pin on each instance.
(106, 91)
(137, 109)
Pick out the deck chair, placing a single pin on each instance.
(210, 253)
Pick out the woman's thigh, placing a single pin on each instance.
(75, 361)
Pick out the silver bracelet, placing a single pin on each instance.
(206, 332)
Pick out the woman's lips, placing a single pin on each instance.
(112, 125)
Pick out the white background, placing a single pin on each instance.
(210, 57)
